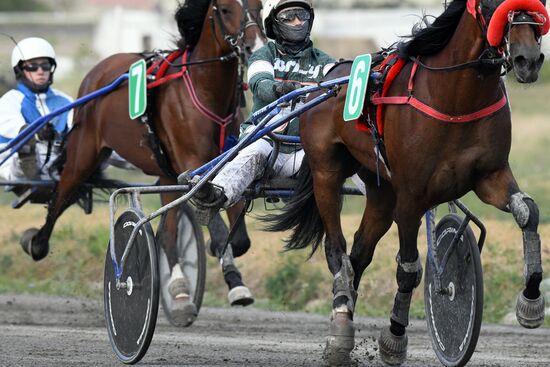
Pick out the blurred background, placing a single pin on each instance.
(86, 31)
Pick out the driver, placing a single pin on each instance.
(33, 62)
(281, 66)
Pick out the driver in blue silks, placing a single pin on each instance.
(34, 63)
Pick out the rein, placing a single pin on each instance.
(489, 61)
(168, 61)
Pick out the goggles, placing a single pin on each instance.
(46, 66)
(286, 16)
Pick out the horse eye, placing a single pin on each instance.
(225, 11)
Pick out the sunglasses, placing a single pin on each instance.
(46, 66)
(286, 16)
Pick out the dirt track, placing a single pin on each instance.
(44, 331)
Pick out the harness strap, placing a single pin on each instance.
(421, 106)
(162, 68)
(410, 100)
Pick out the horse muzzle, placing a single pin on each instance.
(527, 62)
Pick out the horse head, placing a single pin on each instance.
(254, 35)
(515, 29)
(238, 24)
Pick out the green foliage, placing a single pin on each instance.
(23, 5)
(289, 286)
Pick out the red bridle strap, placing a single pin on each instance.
(500, 19)
(432, 112)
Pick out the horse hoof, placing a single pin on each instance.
(530, 312)
(340, 342)
(240, 296)
(393, 349)
(183, 312)
(33, 249)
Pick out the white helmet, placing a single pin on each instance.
(31, 48)
(268, 8)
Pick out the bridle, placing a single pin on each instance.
(234, 41)
(508, 14)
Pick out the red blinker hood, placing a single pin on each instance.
(499, 20)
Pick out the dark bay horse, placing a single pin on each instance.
(432, 156)
(190, 113)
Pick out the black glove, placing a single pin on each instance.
(282, 88)
(47, 133)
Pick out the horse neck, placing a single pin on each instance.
(470, 85)
(216, 81)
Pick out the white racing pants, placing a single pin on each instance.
(249, 165)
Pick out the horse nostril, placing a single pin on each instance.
(520, 61)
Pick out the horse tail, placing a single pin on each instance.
(300, 214)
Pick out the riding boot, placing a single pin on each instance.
(208, 201)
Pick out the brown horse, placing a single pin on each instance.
(189, 121)
(427, 161)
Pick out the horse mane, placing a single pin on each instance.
(429, 39)
(189, 17)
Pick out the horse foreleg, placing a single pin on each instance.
(169, 229)
(501, 190)
(377, 220)
(34, 241)
(393, 340)
(83, 158)
(341, 338)
(182, 310)
(239, 294)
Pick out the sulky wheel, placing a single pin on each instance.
(191, 257)
(454, 318)
(131, 311)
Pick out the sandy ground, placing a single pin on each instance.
(53, 331)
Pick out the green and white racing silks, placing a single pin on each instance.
(271, 65)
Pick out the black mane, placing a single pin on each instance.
(189, 17)
(435, 36)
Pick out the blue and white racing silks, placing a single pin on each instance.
(20, 107)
